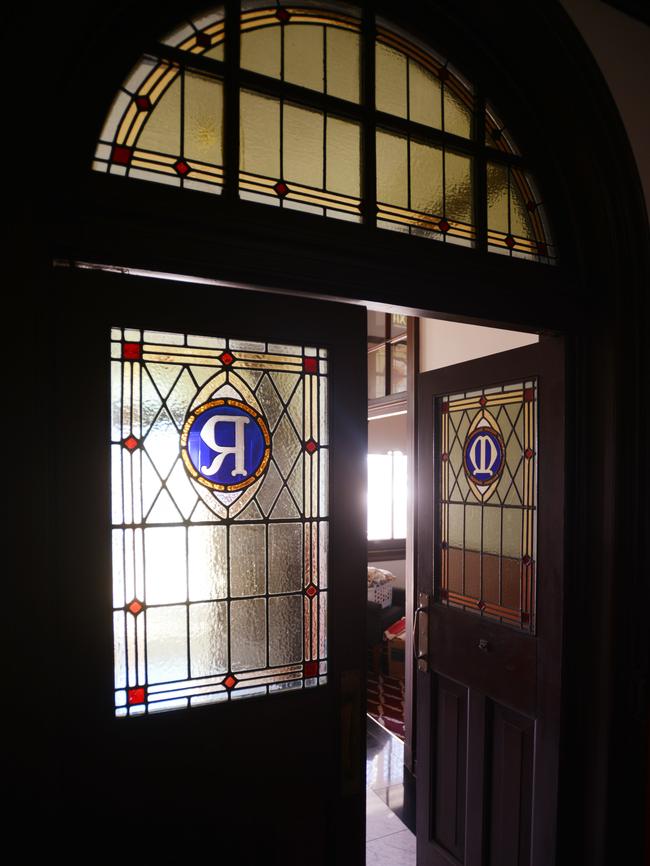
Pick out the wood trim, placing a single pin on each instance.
(410, 693)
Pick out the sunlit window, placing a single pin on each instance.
(386, 496)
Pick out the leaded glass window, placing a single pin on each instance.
(405, 144)
(220, 518)
(488, 493)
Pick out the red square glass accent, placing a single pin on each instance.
(226, 358)
(135, 607)
(483, 401)
(282, 14)
(204, 40)
(444, 408)
(132, 351)
(131, 442)
(136, 696)
(481, 605)
(443, 225)
(310, 446)
(311, 590)
(526, 560)
(529, 395)
(528, 453)
(281, 188)
(230, 681)
(181, 167)
(143, 103)
(509, 241)
(310, 669)
(121, 154)
(310, 365)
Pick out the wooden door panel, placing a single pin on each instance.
(489, 684)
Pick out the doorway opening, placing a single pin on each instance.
(400, 347)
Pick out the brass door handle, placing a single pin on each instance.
(421, 632)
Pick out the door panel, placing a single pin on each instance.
(281, 773)
(489, 580)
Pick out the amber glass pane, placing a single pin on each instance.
(343, 157)
(303, 146)
(343, 71)
(261, 51)
(303, 55)
(497, 196)
(259, 134)
(392, 169)
(426, 178)
(162, 132)
(520, 223)
(390, 78)
(203, 119)
(425, 98)
(458, 116)
(458, 187)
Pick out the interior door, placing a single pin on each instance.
(207, 639)
(489, 620)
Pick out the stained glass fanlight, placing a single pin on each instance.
(313, 127)
(220, 518)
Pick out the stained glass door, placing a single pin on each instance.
(488, 626)
(219, 563)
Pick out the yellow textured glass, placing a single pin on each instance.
(303, 146)
(458, 117)
(162, 131)
(497, 197)
(458, 187)
(203, 119)
(392, 169)
(259, 134)
(343, 70)
(390, 79)
(426, 178)
(520, 223)
(303, 55)
(343, 157)
(260, 51)
(425, 99)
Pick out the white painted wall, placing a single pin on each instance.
(445, 343)
(396, 567)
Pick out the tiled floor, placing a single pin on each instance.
(388, 841)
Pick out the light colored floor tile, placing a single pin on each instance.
(398, 849)
(380, 820)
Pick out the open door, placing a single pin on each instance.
(489, 618)
(209, 449)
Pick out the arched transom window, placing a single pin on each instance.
(313, 108)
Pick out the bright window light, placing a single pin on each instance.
(386, 495)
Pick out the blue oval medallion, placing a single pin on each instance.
(484, 456)
(225, 444)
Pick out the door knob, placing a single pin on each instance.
(483, 645)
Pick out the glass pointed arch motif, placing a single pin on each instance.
(313, 123)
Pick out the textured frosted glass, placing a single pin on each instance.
(458, 187)
(425, 101)
(303, 146)
(209, 638)
(162, 130)
(285, 557)
(286, 445)
(164, 552)
(390, 72)
(392, 168)
(519, 214)
(207, 562)
(166, 643)
(458, 117)
(161, 443)
(512, 532)
(456, 525)
(473, 527)
(247, 560)
(248, 634)
(343, 71)
(260, 51)
(426, 178)
(259, 134)
(285, 629)
(303, 55)
(343, 157)
(491, 530)
(203, 119)
(497, 195)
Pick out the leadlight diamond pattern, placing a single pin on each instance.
(159, 381)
